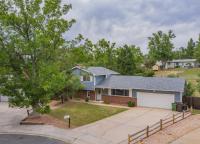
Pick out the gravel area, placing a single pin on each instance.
(175, 131)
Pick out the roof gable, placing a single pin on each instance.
(97, 70)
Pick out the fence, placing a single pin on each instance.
(150, 130)
(192, 101)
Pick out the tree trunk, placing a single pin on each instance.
(62, 99)
(34, 112)
(163, 65)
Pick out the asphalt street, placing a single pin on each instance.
(27, 139)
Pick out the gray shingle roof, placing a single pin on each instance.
(100, 71)
(143, 83)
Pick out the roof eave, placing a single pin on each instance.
(141, 89)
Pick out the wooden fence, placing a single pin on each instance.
(192, 101)
(150, 130)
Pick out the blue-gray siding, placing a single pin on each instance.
(76, 72)
(88, 85)
(99, 79)
(177, 97)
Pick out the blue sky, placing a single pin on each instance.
(133, 21)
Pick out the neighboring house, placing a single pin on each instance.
(102, 84)
(183, 63)
(157, 66)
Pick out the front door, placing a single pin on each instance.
(98, 94)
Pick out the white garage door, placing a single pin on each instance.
(155, 100)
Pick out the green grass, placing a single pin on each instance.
(191, 75)
(84, 113)
(195, 111)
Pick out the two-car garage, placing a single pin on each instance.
(156, 100)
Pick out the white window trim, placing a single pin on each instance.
(121, 95)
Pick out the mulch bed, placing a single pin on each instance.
(45, 120)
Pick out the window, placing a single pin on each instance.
(86, 78)
(105, 91)
(120, 92)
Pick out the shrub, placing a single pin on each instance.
(149, 73)
(189, 89)
(106, 102)
(131, 104)
(87, 99)
(172, 75)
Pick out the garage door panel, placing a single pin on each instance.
(155, 100)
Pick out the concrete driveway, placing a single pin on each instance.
(115, 129)
(112, 130)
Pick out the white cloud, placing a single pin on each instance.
(133, 21)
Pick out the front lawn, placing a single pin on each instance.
(195, 111)
(84, 113)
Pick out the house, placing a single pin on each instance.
(102, 84)
(183, 63)
(158, 65)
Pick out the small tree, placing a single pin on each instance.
(189, 90)
(72, 86)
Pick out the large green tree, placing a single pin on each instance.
(190, 49)
(129, 59)
(31, 39)
(160, 46)
(104, 54)
(197, 50)
(180, 53)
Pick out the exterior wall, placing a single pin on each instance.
(155, 68)
(181, 64)
(76, 71)
(118, 99)
(99, 79)
(88, 85)
(169, 65)
(83, 94)
(178, 97)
